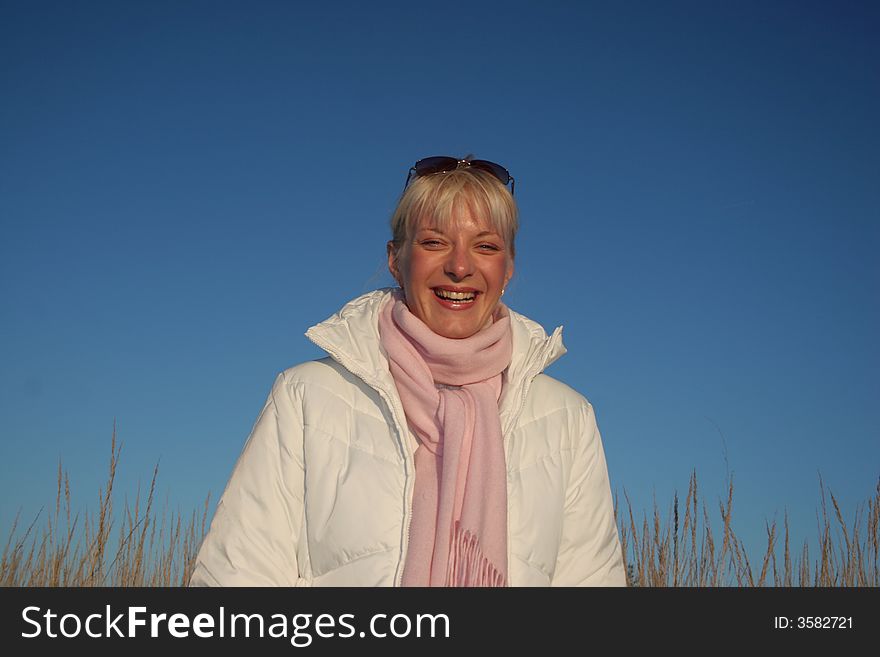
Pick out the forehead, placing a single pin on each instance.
(461, 220)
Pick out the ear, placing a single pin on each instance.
(509, 273)
(393, 265)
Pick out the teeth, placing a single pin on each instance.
(455, 296)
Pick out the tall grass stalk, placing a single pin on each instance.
(672, 551)
(79, 550)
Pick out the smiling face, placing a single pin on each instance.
(452, 279)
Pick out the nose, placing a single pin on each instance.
(460, 263)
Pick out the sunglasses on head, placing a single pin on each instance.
(443, 164)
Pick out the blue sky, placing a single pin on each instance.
(186, 187)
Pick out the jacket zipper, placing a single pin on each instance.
(527, 383)
(403, 436)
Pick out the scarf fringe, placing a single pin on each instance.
(468, 566)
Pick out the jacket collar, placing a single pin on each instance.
(351, 337)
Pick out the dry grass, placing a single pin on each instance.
(80, 551)
(679, 550)
(685, 552)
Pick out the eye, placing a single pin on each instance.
(489, 247)
(431, 243)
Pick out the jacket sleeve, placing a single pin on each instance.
(253, 536)
(589, 552)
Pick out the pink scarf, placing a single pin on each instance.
(458, 534)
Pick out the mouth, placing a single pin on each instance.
(455, 298)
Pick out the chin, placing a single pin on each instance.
(454, 335)
(456, 332)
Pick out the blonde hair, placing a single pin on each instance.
(441, 197)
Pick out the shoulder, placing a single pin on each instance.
(324, 373)
(551, 392)
(323, 370)
(324, 389)
(549, 397)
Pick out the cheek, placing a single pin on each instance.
(402, 264)
(499, 275)
(416, 268)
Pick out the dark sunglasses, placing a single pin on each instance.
(444, 164)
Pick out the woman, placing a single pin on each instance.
(428, 449)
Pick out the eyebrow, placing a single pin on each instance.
(440, 232)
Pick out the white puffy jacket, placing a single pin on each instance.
(322, 492)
